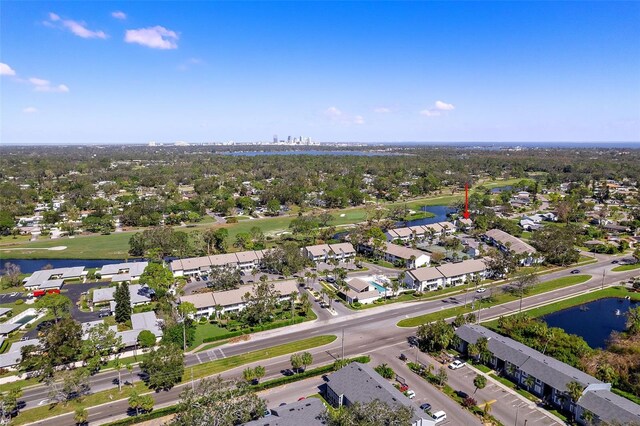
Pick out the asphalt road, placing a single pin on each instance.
(366, 332)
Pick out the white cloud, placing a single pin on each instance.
(154, 37)
(6, 69)
(119, 15)
(437, 109)
(381, 110)
(333, 112)
(30, 110)
(430, 112)
(78, 28)
(40, 85)
(443, 106)
(336, 115)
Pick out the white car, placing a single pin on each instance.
(411, 394)
(481, 290)
(439, 416)
(457, 364)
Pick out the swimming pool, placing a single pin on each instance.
(378, 287)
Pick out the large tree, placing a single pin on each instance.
(11, 275)
(98, 345)
(56, 304)
(557, 244)
(122, 298)
(218, 402)
(521, 284)
(435, 336)
(260, 303)
(62, 344)
(164, 366)
(375, 412)
(157, 277)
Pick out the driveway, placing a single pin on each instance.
(74, 291)
(506, 405)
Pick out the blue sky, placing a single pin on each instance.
(133, 72)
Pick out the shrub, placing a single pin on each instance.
(469, 402)
(19, 302)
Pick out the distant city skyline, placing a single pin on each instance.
(136, 72)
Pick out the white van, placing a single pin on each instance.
(439, 416)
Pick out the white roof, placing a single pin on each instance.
(38, 277)
(131, 268)
(139, 294)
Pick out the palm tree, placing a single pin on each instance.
(633, 320)
(574, 391)
(395, 286)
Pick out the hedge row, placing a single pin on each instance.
(305, 375)
(255, 329)
(155, 414)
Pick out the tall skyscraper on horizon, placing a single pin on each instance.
(275, 138)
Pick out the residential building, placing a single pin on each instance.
(210, 303)
(361, 291)
(53, 278)
(119, 272)
(359, 383)
(446, 275)
(12, 357)
(140, 295)
(326, 252)
(512, 245)
(394, 253)
(547, 378)
(308, 412)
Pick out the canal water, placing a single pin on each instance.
(593, 321)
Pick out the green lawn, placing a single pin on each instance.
(500, 298)
(623, 268)
(199, 371)
(583, 298)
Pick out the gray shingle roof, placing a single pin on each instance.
(306, 412)
(515, 244)
(360, 383)
(610, 407)
(549, 370)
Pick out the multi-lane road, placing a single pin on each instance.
(370, 331)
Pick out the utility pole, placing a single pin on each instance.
(603, 273)
(192, 386)
(343, 344)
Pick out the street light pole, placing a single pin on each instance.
(603, 273)
(343, 344)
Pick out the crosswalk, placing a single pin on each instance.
(210, 355)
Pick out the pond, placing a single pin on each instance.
(593, 321)
(440, 215)
(29, 266)
(499, 189)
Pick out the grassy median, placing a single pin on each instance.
(498, 299)
(199, 371)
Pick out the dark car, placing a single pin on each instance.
(462, 394)
(575, 271)
(403, 357)
(425, 407)
(615, 261)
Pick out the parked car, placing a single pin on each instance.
(615, 261)
(462, 394)
(403, 357)
(267, 413)
(457, 364)
(403, 388)
(575, 271)
(104, 314)
(425, 407)
(411, 394)
(439, 416)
